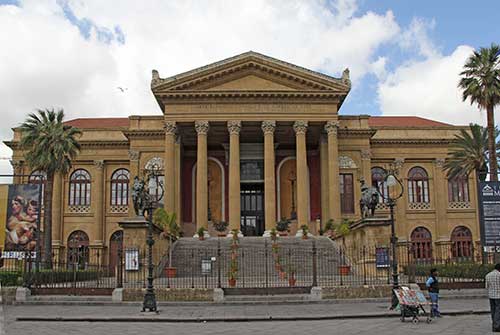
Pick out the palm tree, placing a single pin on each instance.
(481, 83)
(50, 146)
(468, 153)
(170, 228)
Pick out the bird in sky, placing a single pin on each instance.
(123, 89)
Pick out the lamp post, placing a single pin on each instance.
(151, 202)
(392, 182)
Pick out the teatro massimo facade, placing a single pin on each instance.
(250, 140)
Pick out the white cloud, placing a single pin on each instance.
(46, 62)
(428, 88)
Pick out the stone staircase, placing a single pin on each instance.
(257, 259)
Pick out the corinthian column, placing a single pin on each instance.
(201, 175)
(333, 171)
(234, 128)
(170, 130)
(300, 128)
(268, 128)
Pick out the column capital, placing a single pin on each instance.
(234, 127)
(170, 127)
(16, 164)
(366, 154)
(133, 155)
(201, 127)
(440, 162)
(268, 127)
(300, 127)
(99, 164)
(331, 127)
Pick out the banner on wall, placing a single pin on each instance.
(489, 214)
(21, 219)
(4, 194)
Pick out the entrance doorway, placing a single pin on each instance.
(252, 209)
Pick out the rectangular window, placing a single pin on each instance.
(346, 193)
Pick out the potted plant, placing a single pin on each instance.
(329, 227)
(274, 234)
(220, 227)
(291, 276)
(171, 231)
(233, 272)
(282, 226)
(305, 231)
(342, 230)
(201, 233)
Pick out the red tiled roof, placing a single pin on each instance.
(403, 121)
(108, 122)
(373, 121)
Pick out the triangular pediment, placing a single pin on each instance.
(250, 71)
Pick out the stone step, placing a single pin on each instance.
(72, 298)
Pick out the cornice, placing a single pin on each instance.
(84, 144)
(144, 133)
(180, 95)
(359, 133)
(411, 141)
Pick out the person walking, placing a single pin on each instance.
(493, 287)
(432, 285)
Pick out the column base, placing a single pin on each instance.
(205, 235)
(230, 234)
(300, 233)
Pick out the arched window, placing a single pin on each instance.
(458, 189)
(79, 188)
(38, 177)
(378, 181)
(78, 250)
(418, 185)
(461, 242)
(421, 243)
(119, 187)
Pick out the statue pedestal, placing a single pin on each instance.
(135, 234)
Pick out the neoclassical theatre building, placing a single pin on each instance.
(250, 140)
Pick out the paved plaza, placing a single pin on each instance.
(189, 319)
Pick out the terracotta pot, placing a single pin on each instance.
(170, 272)
(232, 282)
(292, 281)
(304, 237)
(277, 267)
(221, 235)
(201, 238)
(344, 270)
(282, 274)
(283, 233)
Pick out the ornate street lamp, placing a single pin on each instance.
(395, 190)
(150, 203)
(292, 178)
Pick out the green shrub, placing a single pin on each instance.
(10, 278)
(62, 276)
(467, 270)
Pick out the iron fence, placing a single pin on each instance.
(272, 265)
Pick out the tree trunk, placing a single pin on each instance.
(491, 144)
(47, 222)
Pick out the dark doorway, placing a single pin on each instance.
(252, 209)
(115, 250)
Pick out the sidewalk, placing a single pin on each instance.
(229, 313)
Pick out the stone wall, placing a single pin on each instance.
(169, 294)
(348, 292)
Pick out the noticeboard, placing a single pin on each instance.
(489, 213)
(382, 257)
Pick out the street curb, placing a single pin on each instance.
(149, 317)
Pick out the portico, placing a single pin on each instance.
(252, 113)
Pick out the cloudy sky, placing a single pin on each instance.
(404, 56)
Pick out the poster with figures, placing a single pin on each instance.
(21, 220)
(131, 259)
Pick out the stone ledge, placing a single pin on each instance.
(367, 291)
(171, 294)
